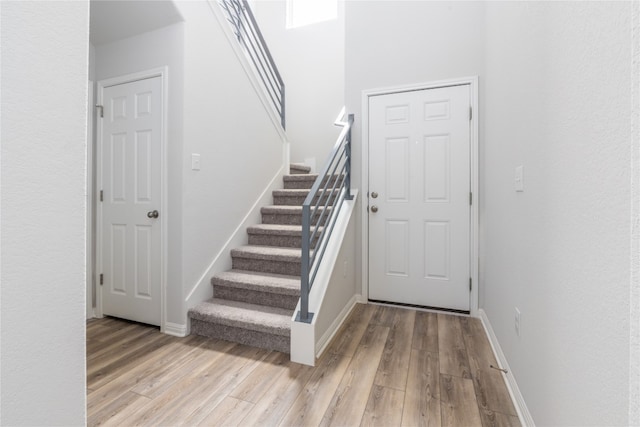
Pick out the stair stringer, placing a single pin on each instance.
(202, 290)
(334, 291)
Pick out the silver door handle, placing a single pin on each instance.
(374, 195)
(374, 209)
(153, 214)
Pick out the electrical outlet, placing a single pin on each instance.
(517, 321)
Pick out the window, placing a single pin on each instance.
(306, 12)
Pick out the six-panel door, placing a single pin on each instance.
(419, 168)
(130, 156)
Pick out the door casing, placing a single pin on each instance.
(474, 231)
(161, 72)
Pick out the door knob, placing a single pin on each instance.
(374, 209)
(153, 214)
(374, 195)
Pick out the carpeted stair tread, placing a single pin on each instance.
(259, 318)
(285, 209)
(299, 168)
(300, 177)
(268, 253)
(300, 191)
(262, 282)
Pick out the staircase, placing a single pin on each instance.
(253, 303)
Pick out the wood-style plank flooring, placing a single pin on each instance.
(387, 366)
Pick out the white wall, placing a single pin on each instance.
(44, 117)
(239, 144)
(557, 100)
(154, 49)
(311, 62)
(634, 297)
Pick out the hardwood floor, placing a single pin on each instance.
(387, 367)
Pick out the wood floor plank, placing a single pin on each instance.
(223, 377)
(159, 363)
(114, 343)
(134, 356)
(394, 363)
(491, 390)
(384, 407)
(309, 408)
(452, 352)
(228, 413)
(274, 404)
(383, 315)
(349, 336)
(352, 394)
(422, 396)
(496, 419)
(425, 332)
(107, 412)
(155, 385)
(260, 381)
(176, 405)
(458, 404)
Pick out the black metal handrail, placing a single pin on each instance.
(250, 37)
(321, 206)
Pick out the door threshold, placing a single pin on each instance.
(421, 307)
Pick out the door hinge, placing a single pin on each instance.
(470, 198)
(101, 195)
(101, 279)
(101, 108)
(470, 113)
(470, 286)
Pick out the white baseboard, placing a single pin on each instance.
(521, 407)
(175, 329)
(325, 339)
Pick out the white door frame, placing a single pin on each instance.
(474, 244)
(90, 244)
(161, 72)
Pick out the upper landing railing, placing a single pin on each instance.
(246, 29)
(331, 188)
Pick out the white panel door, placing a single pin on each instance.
(130, 229)
(419, 188)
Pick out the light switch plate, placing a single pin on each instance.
(519, 179)
(195, 162)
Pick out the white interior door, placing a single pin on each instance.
(130, 221)
(419, 197)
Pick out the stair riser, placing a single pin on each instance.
(267, 266)
(242, 336)
(255, 297)
(275, 240)
(293, 200)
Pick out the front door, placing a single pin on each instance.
(419, 197)
(130, 193)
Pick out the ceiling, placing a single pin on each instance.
(113, 20)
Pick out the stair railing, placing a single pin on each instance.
(250, 37)
(321, 206)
